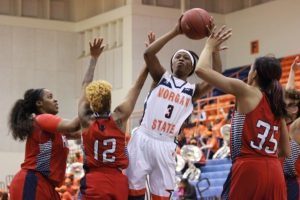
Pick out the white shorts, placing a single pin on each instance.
(151, 154)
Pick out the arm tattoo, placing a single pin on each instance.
(89, 75)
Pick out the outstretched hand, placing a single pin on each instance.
(177, 29)
(217, 38)
(96, 48)
(296, 63)
(210, 28)
(151, 38)
(211, 25)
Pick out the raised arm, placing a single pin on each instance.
(74, 135)
(156, 70)
(204, 87)
(216, 57)
(204, 71)
(151, 39)
(69, 126)
(124, 110)
(284, 149)
(53, 123)
(84, 111)
(291, 80)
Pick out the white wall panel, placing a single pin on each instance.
(109, 65)
(6, 47)
(66, 51)
(46, 56)
(101, 67)
(276, 25)
(118, 68)
(23, 45)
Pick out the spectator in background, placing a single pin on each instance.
(3, 195)
(292, 99)
(211, 145)
(292, 95)
(230, 112)
(78, 157)
(224, 151)
(202, 161)
(203, 116)
(194, 116)
(291, 164)
(186, 190)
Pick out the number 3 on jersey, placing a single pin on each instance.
(169, 112)
(105, 154)
(264, 135)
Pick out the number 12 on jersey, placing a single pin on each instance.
(263, 136)
(105, 154)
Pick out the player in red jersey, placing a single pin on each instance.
(105, 153)
(291, 164)
(258, 128)
(34, 119)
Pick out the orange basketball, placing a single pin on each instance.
(194, 23)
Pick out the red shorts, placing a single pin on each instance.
(104, 184)
(30, 185)
(255, 178)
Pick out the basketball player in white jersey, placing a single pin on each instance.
(168, 105)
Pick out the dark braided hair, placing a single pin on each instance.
(269, 73)
(20, 118)
(195, 56)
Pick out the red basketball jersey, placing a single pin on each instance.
(104, 145)
(46, 149)
(256, 171)
(255, 133)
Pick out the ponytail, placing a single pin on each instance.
(269, 73)
(276, 98)
(20, 119)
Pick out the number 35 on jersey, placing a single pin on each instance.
(265, 142)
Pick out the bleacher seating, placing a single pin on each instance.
(286, 63)
(213, 109)
(218, 98)
(237, 72)
(217, 162)
(213, 176)
(211, 181)
(215, 168)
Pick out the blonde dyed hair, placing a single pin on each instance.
(98, 93)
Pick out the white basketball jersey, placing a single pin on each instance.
(168, 106)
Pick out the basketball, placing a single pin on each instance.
(193, 23)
